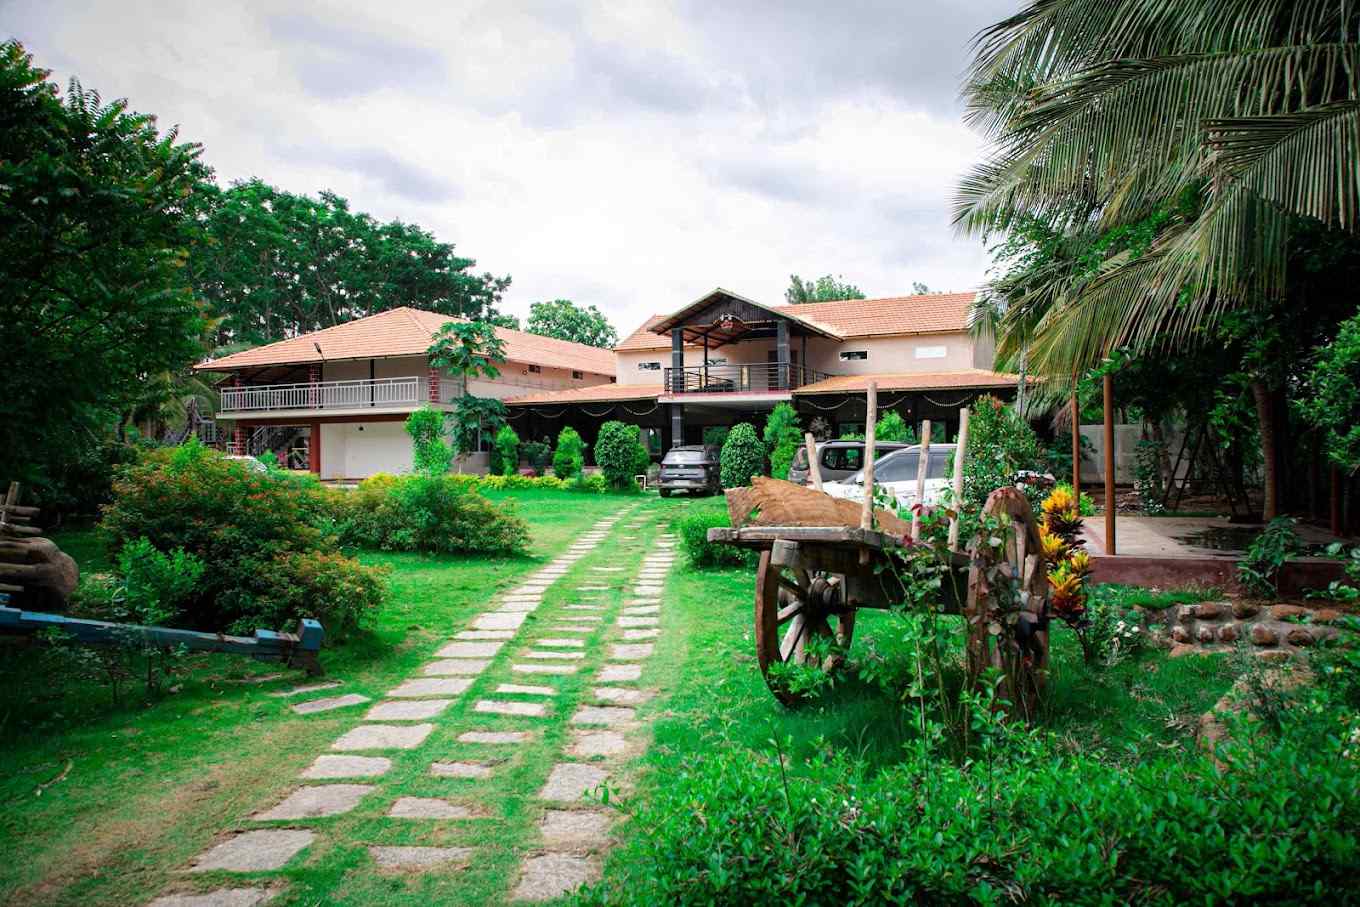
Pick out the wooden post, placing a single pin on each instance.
(814, 468)
(959, 454)
(866, 515)
(1109, 465)
(921, 466)
(1076, 440)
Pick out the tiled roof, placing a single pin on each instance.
(599, 393)
(929, 313)
(911, 381)
(406, 332)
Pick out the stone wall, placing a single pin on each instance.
(1273, 632)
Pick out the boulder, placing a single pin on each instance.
(1262, 635)
(1245, 609)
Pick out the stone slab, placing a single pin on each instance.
(499, 620)
(418, 687)
(469, 650)
(383, 737)
(642, 633)
(316, 800)
(555, 643)
(427, 808)
(389, 857)
(621, 695)
(647, 590)
(602, 714)
(326, 766)
(551, 875)
(484, 634)
(312, 706)
(549, 656)
(407, 710)
(254, 851)
(493, 737)
(222, 897)
(309, 688)
(526, 689)
(619, 673)
(502, 707)
(627, 621)
(588, 744)
(631, 651)
(461, 770)
(575, 827)
(569, 781)
(455, 667)
(543, 669)
(643, 609)
(519, 607)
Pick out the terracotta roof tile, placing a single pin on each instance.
(599, 393)
(930, 313)
(406, 332)
(911, 381)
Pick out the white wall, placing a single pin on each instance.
(355, 450)
(890, 355)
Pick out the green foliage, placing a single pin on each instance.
(782, 439)
(823, 289)
(468, 349)
(1148, 474)
(156, 585)
(620, 453)
(434, 514)
(1334, 405)
(1259, 569)
(1086, 506)
(473, 418)
(538, 454)
(1000, 444)
(430, 453)
(716, 435)
(569, 458)
(277, 264)
(693, 528)
(594, 483)
(563, 319)
(505, 452)
(892, 427)
(743, 456)
(258, 537)
(98, 211)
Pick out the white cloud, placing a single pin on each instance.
(627, 155)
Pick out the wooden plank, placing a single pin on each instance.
(866, 514)
(960, 451)
(814, 468)
(1109, 467)
(833, 535)
(922, 465)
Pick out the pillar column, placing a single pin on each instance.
(433, 375)
(677, 363)
(237, 445)
(677, 424)
(781, 345)
(314, 450)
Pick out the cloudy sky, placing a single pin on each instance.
(628, 154)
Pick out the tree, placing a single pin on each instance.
(430, 454)
(278, 264)
(823, 289)
(506, 452)
(1334, 404)
(918, 288)
(470, 349)
(569, 457)
(98, 211)
(743, 456)
(892, 427)
(621, 454)
(782, 439)
(563, 319)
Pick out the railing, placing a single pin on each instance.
(325, 395)
(738, 379)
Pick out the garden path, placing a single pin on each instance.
(546, 686)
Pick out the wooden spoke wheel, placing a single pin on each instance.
(1007, 606)
(802, 619)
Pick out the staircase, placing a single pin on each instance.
(289, 444)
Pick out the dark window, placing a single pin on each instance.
(577, 375)
(851, 458)
(898, 468)
(683, 456)
(649, 366)
(535, 369)
(851, 355)
(940, 463)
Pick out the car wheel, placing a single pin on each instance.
(664, 492)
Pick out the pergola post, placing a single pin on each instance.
(1109, 464)
(781, 345)
(677, 424)
(1076, 440)
(677, 361)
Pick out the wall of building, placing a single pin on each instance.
(515, 379)
(355, 450)
(891, 355)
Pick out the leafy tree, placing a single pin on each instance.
(1334, 405)
(473, 419)
(569, 457)
(918, 288)
(430, 453)
(823, 289)
(782, 439)
(621, 454)
(470, 349)
(563, 319)
(98, 212)
(892, 427)
(743, 456)
(506, 452)
(277, 264)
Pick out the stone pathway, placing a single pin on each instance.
(602, 732)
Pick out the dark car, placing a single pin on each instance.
(838, 459)
(690, 468)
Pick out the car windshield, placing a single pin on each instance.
(684, 456)
(842, 458)
(901, 466)
(800, 460)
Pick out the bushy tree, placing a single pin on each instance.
(621, 454)
(1334, 405)
(892, 427)
(823, 289)
(506, 452)
(782, 439)
(430, 453)
(1000, 444)
(743, 456)
(470, 349)
(565, 320)
(569, 457)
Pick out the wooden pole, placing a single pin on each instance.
(1109, 465)
(959, 453)
(921, 466)
(866, 515)
(814, 468)
(1076, 440)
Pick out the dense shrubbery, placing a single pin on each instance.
(505, 452)
(257, 534)
(693, 529)
(1000, 444)
(621, 454)
(442, 514)
(743, 456)
(430, 452)
(892, 427)
(782, 439)
(570, 456)
(538, 454)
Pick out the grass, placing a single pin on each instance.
(147, 785)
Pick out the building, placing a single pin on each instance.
(334, 401)
(725, 359)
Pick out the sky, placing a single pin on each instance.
(628, 155)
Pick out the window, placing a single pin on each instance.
(649, 366)
(651, 437)
(850, 458)
(931, 352)
(613, 380)
(898, 468)
(577, 376)
(535, 369)
(853, 355)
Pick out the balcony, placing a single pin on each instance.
(384, 393)
(760, 378)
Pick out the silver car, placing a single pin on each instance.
(837, 460)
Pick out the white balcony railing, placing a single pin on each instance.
(326, 395)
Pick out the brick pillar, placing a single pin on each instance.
(314, 392)
(237, 445)
(314, 449)
(434, 384)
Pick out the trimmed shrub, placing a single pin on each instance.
(594, 483)
(505, 452)
(570, 456)
(621, 454)
(252, 531)
(743, 456)
(440, 514)
(693, 529)
(783, 437)
(892, 427)
(538, 454)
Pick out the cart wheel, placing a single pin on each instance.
(1018, 651)
(793, 607)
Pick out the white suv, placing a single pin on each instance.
(896, 474)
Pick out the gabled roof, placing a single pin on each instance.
(599, 393)
(911, 381)
(406, 331)
(798, 317)
(931, 313)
